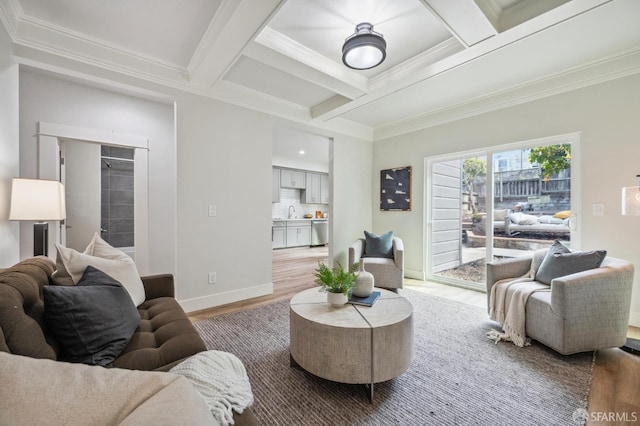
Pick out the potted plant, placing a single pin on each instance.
(335, 281)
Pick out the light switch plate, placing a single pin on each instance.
(598, 209)
(212, 210)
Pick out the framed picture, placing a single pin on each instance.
(395, 189)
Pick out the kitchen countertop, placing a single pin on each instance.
(279, 219)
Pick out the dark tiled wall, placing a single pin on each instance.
(117, 196)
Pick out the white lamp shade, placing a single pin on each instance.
(37, 199)
(631, 201)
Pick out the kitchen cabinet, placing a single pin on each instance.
(324, 188)
(317, 189)
(311, 193)
(275, 185)
(298, 233)
(279, 234)
(292, 179)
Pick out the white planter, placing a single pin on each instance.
(337, 299)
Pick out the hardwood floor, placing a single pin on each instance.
(614, 397)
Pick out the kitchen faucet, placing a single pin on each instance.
(290, 214)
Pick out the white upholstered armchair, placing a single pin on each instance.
(583, 311)
(388, 272)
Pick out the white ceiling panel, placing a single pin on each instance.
(263, 78)
(284, 56)
(168, 30)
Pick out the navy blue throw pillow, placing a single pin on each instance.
(93, 321)
(378, 246)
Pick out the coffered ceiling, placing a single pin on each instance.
(446, 59)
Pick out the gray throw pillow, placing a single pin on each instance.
(93, 321)
(378, 246)
(560, 261)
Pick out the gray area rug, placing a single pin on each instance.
(458, 376)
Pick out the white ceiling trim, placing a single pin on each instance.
(463, 18)
(246, 21)
(10, 13)
(248, 98)
(607, 69)
(35, 32)
(217, 25)
(284, 45)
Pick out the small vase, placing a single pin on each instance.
(336, 299)
(364, 283)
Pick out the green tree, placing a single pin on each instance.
(551, 158)
(471, 169)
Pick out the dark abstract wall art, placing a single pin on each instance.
(395, 189)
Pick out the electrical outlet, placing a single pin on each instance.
(598, 209)
(212, 277)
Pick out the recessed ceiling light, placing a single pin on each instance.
(301, 152)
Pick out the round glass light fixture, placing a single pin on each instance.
(364, 49)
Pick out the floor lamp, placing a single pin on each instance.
(631, 207)
(37, 200)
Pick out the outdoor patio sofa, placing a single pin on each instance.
(511, 223)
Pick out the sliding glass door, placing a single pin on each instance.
(504, 202)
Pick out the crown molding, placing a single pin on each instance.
(614, 67)
(248, 98)
(10, 14)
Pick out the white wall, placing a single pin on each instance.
(606, 114)
(44, 97)
(9, 147)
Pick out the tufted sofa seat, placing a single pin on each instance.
(164, 337)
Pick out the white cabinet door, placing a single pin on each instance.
(311, 194)
(298, 233)
(292, 179)
(278, 237)
(275, 186)
(324, 189)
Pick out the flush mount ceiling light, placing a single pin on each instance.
(364, 49)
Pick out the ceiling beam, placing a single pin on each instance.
(234, 25)
(278, 51)
(463, 18)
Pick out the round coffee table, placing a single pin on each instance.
(352, 343)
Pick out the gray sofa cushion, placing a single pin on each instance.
(560, 261)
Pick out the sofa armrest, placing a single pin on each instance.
(398, 253)
(356, 250)
(158, 286)
(585, 292)
(507, 268)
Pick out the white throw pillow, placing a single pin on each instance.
(71, 264)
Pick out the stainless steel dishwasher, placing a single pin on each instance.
(319, 232)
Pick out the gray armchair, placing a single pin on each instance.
(584, 311)
(387, 272)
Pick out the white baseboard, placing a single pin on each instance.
(217, 299)
(634, 319)
(414, 274)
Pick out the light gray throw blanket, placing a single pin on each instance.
(221, 379)
(507, 304)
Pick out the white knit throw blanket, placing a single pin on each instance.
(222, 381)
(507, 306)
